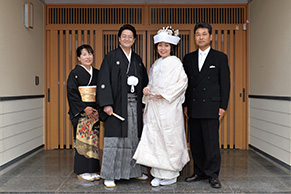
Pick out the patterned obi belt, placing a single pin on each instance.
(88, 93)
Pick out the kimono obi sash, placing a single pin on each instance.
(88, 93)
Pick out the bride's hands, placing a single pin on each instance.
(146, 91)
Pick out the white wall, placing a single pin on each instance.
(270, 129)
(21, 127)
(21, 49)
(22, 58)
(270, 68)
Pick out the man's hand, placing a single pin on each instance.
(221, 113)
(108, 110)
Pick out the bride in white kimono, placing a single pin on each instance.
(163, 143)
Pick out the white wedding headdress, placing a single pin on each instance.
(167, 35)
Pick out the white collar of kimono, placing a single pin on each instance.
(91, 69)
(90, 72)
(128, 56)
(131, 80)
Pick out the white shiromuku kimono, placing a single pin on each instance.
(163, 142)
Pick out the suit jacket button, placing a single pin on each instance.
(194, 100)
(204, 89)
(194, 89)
(203, 100)
(208, 78)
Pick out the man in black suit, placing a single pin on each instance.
(207, 98)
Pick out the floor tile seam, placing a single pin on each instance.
(42, 166)
(282, 183)
(7, 192)
(25, 176)
(117, 192)
(64, 181)
(257, 176)
(25, 191)
(218, 192)
(52, 155)
(277, 178)
(286, 185)
(232, 191)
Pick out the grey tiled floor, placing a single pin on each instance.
(52, 172)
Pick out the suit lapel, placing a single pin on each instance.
(205, 68)
(194, 61)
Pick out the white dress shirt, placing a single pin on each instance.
(202, 57)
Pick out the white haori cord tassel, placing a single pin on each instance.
(132, 81)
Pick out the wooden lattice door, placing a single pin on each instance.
(70, 26)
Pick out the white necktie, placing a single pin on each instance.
(200, 61)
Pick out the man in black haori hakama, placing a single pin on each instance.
(121, 80)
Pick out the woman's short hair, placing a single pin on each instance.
(84, 46)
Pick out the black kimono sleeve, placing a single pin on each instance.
(104, 90)
(74, 98)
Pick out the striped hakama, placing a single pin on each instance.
(117, 162)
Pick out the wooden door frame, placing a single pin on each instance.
(145, 26)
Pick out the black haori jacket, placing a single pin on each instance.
(112, 90)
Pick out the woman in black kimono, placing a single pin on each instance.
(81, 92)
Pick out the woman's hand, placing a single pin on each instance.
(158, 96)
(96, 115)
(146, 91)
(91, 113)
(108, 110)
